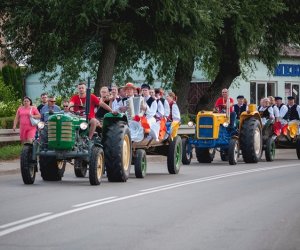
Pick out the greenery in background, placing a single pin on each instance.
(6, 122)
(9, 152)
(12, 77)
(9, 102)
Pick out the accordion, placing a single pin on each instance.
(134, 107)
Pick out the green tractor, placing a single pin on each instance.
(62, 139)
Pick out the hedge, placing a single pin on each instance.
(6, 122)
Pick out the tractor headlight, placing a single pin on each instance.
(40, 125)
(190, 124)
(225, 124)
(83, 125)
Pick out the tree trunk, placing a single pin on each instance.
(106, 65)
(229, 67)
(183, 77)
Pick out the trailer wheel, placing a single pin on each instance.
(140, 163)
(174, 155)
(298, 147)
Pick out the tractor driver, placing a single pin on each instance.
(79, 102)
(220, 106)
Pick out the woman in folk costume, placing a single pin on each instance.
(174, 116)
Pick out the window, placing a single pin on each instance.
(259, 90)
(292, 89)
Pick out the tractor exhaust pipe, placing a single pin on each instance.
(88, 100)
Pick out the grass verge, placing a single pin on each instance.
(10, 152)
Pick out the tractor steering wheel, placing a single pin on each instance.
(80, 112)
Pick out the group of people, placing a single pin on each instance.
(270, 108)
(155, 107)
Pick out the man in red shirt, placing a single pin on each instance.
(221, 102)
(220, 106)
(80, 102)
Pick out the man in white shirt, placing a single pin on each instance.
(283, 109)
(151, 104)
(266, 111)
(293, 109)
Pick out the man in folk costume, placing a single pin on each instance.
(151, 110)
(79, 103)
(240, 107)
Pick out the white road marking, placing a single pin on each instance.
(23, 220)
(215, 177)
(95, 203)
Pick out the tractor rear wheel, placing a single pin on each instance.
(80, 167)
(205, 155)
(251, 140)
(270, 149)
(118, 152)
(51, 168)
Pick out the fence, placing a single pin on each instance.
(8, 135)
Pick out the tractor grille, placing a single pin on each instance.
(205, 127)
(61, 134)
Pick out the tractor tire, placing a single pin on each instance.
(205, 155)
(270, 149)
(96, 165)
(80, 168)
(51, 169)
(186, 155)
(298, 147)
(233, 151)
(140, 163)
(224, 155)
(118, 152)
(28, 167)
(251, 140)
(174, 155)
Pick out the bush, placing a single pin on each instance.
(9, 108)
(10, 152)
(6, 122)
(185, 118)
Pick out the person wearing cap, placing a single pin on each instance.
(240, 107)
(265, 110)
(129, 90)
(283, 109)
(293, 109)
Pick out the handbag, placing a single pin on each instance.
(33, 121)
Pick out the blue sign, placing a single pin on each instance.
(287, 70)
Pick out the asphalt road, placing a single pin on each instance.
(207, 206)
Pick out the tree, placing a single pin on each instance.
(251, 28)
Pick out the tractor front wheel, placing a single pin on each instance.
(205, 155)
(28, 167)
(96, 165)
(233, 151)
